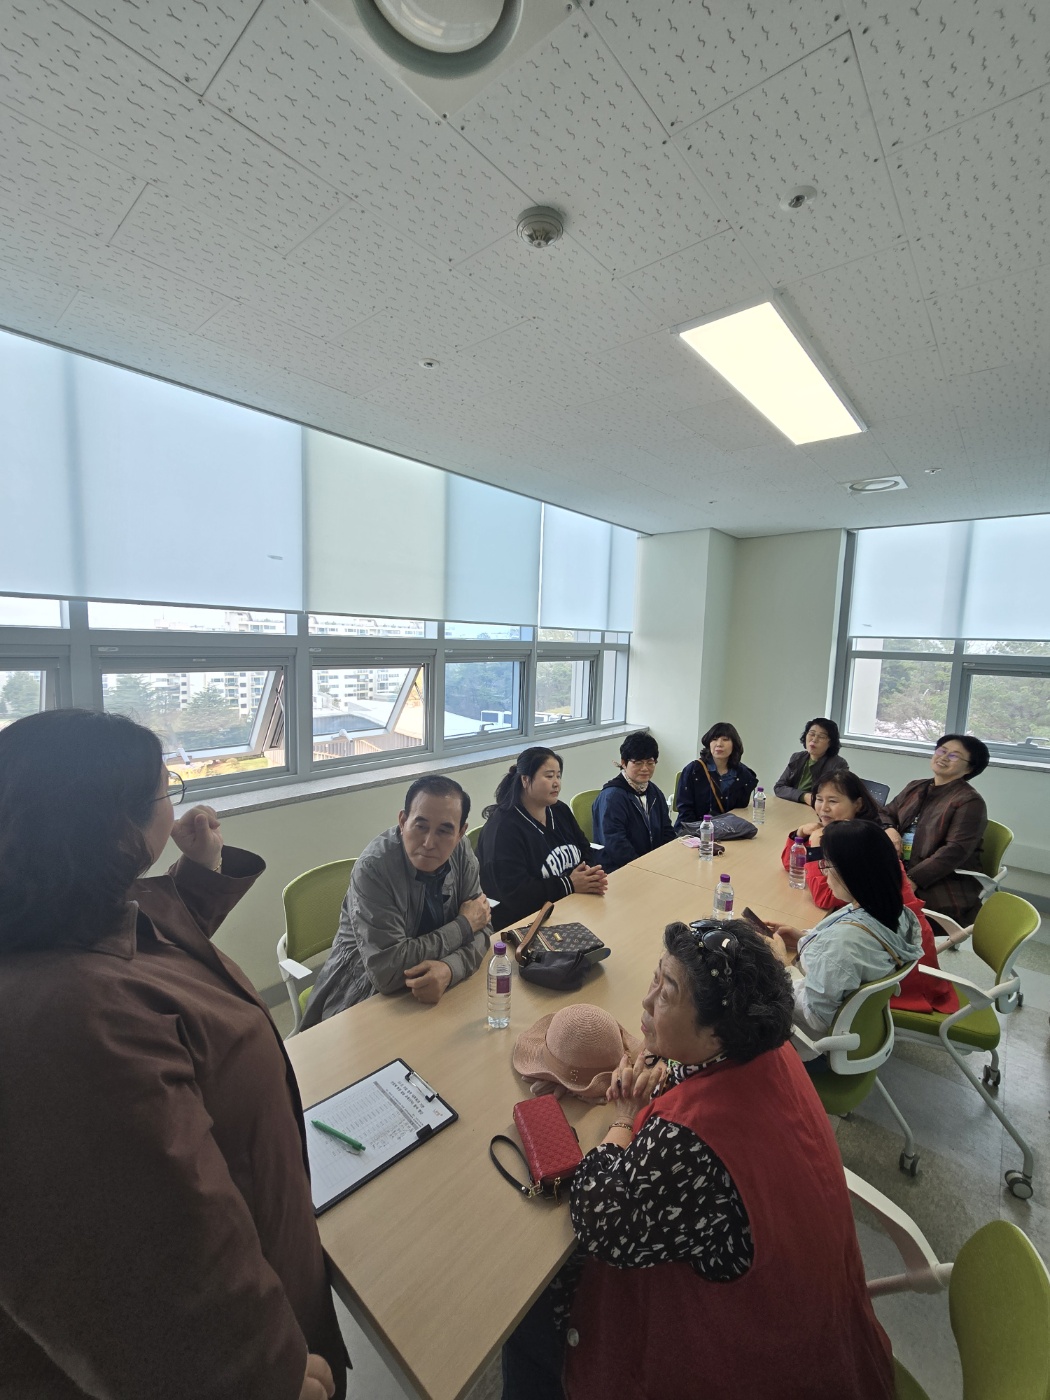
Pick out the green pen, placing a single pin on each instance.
(334, 1132)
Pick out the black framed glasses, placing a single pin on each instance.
(176, 790)
(825, 866)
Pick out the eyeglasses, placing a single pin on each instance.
(950, 755)
(176, 790)
(825, 867)
(643, 762)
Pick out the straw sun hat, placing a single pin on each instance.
(573, 1051)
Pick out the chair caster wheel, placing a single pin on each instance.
(910, 1165)
(1020, 1000)
(992, 1077)
(1020, 1185)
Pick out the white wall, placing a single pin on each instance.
(299, 835)
(680, 641)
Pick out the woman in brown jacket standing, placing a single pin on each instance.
(156, 1235)
(937, 825)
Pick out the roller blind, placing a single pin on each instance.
(972, 579)
(115, 485)
(587, 572)
(493, 564)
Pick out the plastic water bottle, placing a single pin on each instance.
(707, 838)
(797, 864)
(723, 903)
(500, 971)
(759, 806)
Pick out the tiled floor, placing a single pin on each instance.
(963, 1154)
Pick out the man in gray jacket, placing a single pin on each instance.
(414, 916)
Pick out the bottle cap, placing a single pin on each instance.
(707, 816)
(760, 788)
(724, 878)
(499, 948)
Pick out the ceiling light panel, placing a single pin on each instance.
(762, 358)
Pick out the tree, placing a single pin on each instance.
(20, 695)
(132, 696)
(207, 722)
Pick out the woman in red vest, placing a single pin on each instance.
(718, 1257)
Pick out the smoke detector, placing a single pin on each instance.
(801, 197)
(875, 485)
(540, 227)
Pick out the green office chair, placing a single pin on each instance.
(312, 903)
(992, 871)
(1005, 922)
(998, 1302)
(581, 806)
(859, 1041)
(673, 804)
(472, 837)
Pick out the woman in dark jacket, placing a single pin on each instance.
(937, 825)
(159, 1237)
(818, 757)
(715, 782)
(630, 813)
(531, 848)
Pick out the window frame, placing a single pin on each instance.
(964, 667)
(76, 655)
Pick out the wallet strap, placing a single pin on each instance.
(533, 1188)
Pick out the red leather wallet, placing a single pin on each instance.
(552, 1151)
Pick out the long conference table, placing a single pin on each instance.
(437, 1258)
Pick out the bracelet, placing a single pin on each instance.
(620, 1123)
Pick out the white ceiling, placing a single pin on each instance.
(227, 194)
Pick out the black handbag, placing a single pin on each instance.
(559, 956)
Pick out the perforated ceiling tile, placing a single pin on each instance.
(571, 132)
(300, 83)
(690, 56)
(849, 458)
(928, 67)
(47, 174)
(810, 125)
(529, 353)
(864, 310)
(996, 444)
(996, 323)
(187, 38)
(896, 386)
(974, 198)
(54, 251)
(920, 441)
(28, 300)
(1017, 390)
(710, 276)
(732, 424)
(650, 357)
(630, 418)
(276, 343)
(86, 85)
(564, 286)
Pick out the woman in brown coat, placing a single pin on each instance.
(157, 1235)
(937, 825)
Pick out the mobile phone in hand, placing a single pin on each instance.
(756, 923)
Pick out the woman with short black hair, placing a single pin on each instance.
(818, 757)
(531, 848)
(630, 815)
(159, 1236)
(937, 825)
(866, 939)
(715, 782)
(690, 1268)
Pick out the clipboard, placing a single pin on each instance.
(391, 1111)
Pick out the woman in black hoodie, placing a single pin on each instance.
(531, 848)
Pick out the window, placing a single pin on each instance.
(211, 724)
(481, 697)
(21, 693)
(901, 689)
(367, 710)
(147, 617)
(242, 697)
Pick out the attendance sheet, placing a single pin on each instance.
(389, 1112)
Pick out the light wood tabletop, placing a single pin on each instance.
(438, 1257)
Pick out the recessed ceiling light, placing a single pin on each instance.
(764, 359)
(873, 485)
(443, 26)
